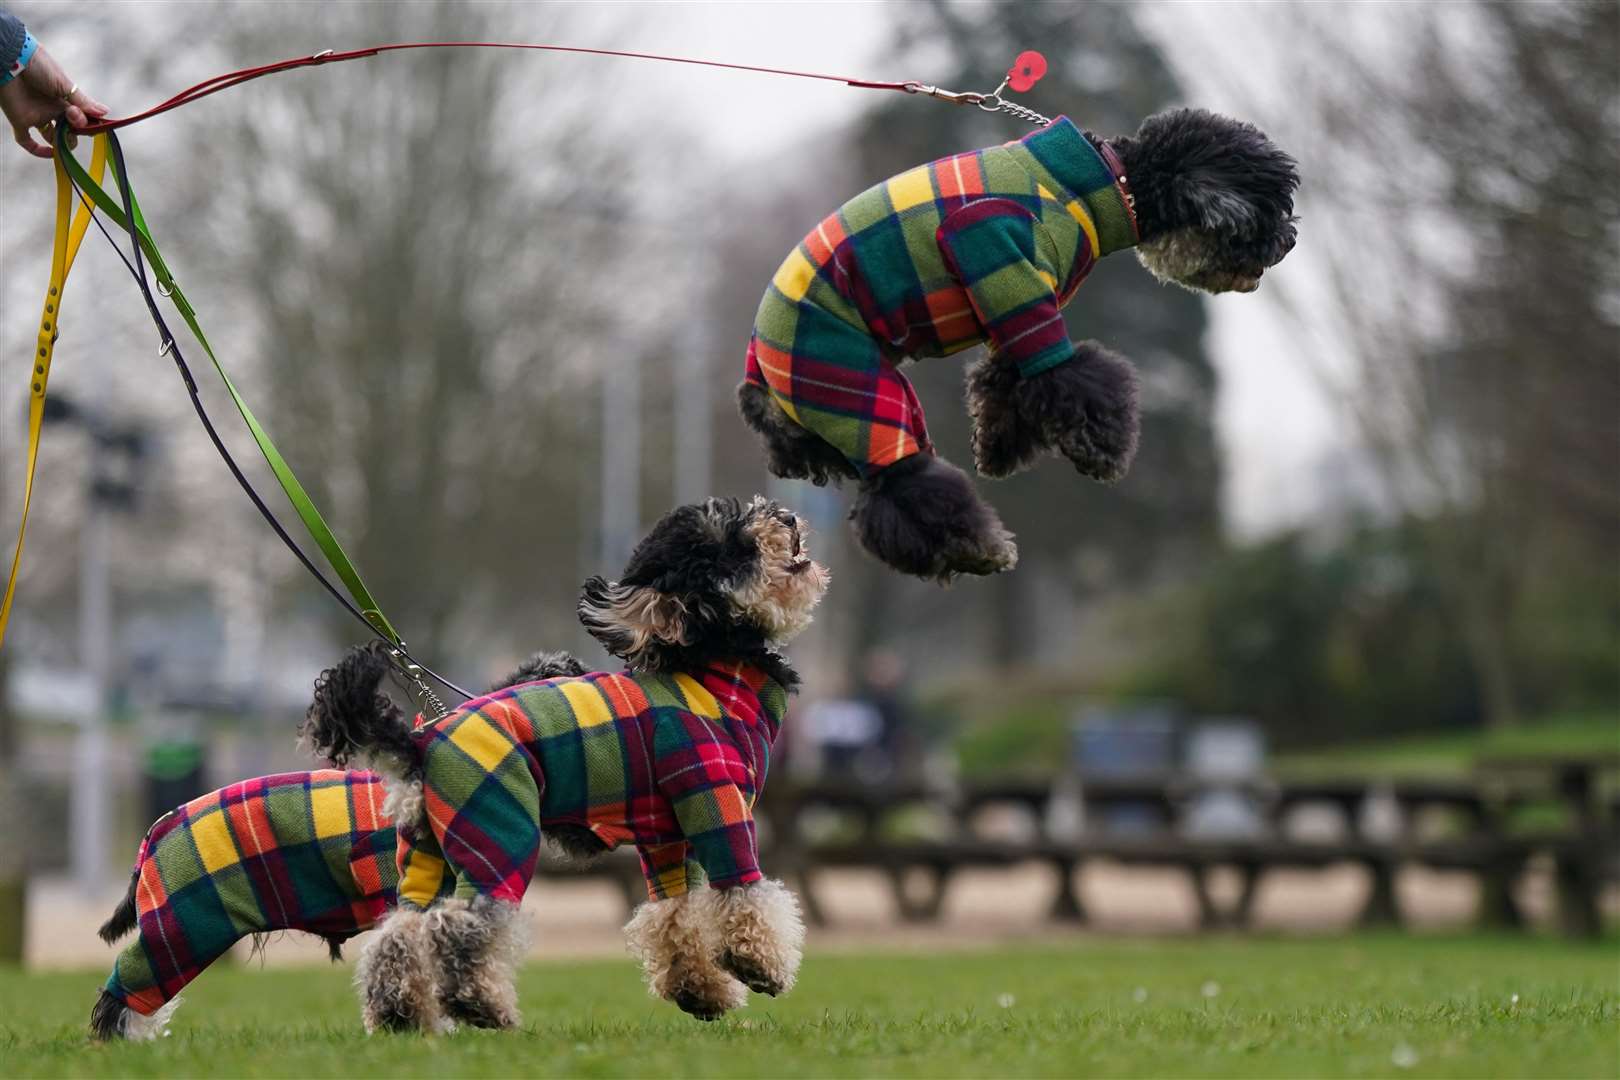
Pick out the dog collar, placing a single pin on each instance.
(1117, 167)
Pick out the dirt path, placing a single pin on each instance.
(983, 908)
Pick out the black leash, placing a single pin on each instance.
(171, 348)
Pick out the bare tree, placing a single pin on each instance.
(428, 243)
(1461, 208)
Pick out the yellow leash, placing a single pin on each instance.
(64, 248)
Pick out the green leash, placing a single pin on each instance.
(365, 606)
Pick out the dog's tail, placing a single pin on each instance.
(351, 717)
(123, 918)
(127, 914)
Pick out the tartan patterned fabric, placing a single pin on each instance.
(296, 851)
(985, 246)
(671, 763)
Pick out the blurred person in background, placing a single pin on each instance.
(866, 737)
(34, 90)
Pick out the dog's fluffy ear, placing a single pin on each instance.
(630, 621)
(1217, 205)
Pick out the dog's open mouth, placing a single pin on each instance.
(801, 557)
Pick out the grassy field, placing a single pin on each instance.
(1454, 754)
(1358, 1006)
(1033, 734)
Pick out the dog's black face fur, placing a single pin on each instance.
(713, 581)
(1214, 199)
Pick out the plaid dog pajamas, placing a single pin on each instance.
(671, 763)
(985, 246)
(296, 851)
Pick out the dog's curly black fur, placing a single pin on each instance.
(1214, 198)
(922, 516)
(542, 665)
(351, 717)
(791, 451)
(1084, 409)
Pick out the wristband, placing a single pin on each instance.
(30, 45)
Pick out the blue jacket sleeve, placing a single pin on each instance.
(12, 35)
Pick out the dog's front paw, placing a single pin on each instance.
(711, 1001)
(762, 936)
(1101, 421)
(396, 977)
(476, 947)
(677, 941)
(751, 974)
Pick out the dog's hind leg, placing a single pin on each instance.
(477, 946)
(111, 1019)
(761, 935)
(791, 451)
(922, 517)
(396, 976)
(678, 943)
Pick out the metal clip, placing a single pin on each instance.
(166, 292)
(431, 706)
(955, 97)
(168, 347)
(323, 54)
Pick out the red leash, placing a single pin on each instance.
(234, 78)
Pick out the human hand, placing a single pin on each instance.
(38, 96)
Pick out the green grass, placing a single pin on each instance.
(1357, 1006)
(1032, 734)
(1454, 753)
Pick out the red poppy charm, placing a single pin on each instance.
(1026, 71)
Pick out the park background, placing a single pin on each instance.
(492, 306)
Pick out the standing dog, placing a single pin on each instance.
(985, 248)
(668, 755)
(307, 851)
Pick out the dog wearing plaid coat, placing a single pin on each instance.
(307, 851)
(986, 247)
(668, 755)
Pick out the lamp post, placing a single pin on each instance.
(114, 450)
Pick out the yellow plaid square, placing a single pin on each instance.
(911, 188)
(590, 710)
(699, 700)
(330, 807)
(482, 741)
(212, 834)
(793, 279)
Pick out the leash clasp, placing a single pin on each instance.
(955, 97)
(432, 707)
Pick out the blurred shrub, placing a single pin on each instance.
(1332, 641)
